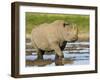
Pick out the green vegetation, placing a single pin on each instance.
(35, 19)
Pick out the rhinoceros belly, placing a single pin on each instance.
(41, 42)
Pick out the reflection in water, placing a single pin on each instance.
(75, 54)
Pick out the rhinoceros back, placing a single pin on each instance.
(45, 35)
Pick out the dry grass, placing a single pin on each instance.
(83, 37)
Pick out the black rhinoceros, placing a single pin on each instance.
(53, 36)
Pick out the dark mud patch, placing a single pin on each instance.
(41, 63)
(68, 61)
(38, 62)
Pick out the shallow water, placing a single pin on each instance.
(79, 56)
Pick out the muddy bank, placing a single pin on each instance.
(38, 62)
(46, 62)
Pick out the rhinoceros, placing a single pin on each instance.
(53, 37)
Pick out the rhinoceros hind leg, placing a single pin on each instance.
(40, 54)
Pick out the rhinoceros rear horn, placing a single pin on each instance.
(74, 26)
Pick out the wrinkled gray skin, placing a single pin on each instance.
(53, 36)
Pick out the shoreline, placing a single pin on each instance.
(82, 37)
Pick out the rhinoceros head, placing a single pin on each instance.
(69, 31)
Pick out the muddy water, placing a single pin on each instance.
(77, 52)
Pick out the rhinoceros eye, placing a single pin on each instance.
(66, 24)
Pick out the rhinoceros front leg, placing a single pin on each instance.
(62, 47)
(59, 55)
